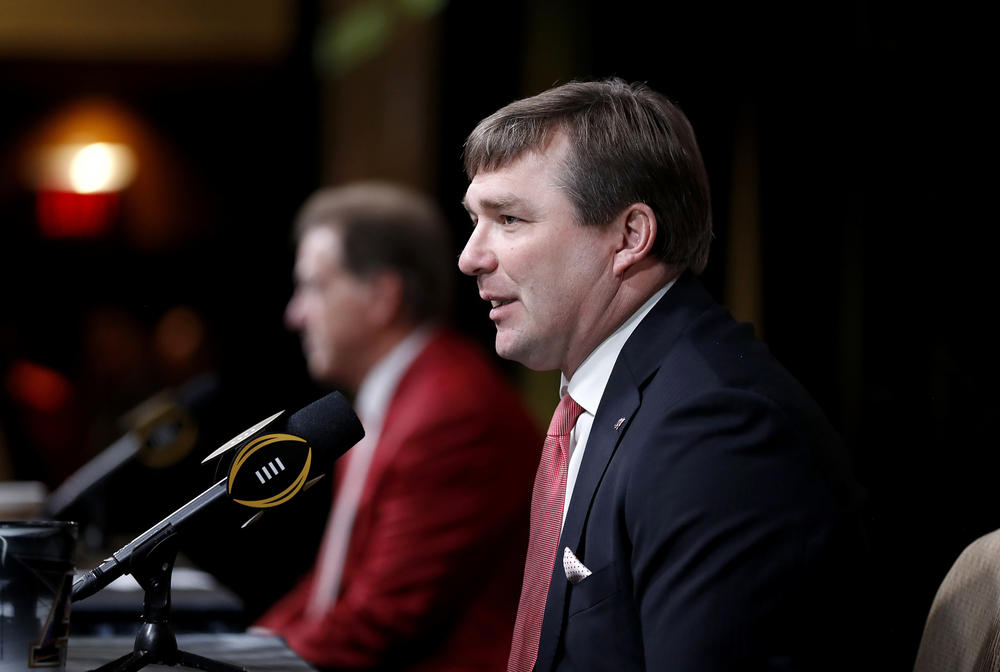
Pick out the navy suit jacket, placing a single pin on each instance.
(718, 518)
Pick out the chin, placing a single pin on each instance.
(522, 353)
(504, 350)
(320, 372)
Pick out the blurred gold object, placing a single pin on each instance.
(166, 431)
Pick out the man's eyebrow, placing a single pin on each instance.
(498, 203)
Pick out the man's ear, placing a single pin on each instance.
(386, 298)
(637, 226)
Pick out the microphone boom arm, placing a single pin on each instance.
(124, 559)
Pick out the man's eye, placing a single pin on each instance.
(509, 219)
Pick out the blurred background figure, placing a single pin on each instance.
(420, 564)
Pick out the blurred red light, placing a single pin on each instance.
(66, 214)
(38, 387)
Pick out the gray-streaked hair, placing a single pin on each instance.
(628, 144)
(388, 227)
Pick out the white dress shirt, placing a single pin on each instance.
(374, 395)
(380, 384)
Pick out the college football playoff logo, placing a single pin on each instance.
(269, 470)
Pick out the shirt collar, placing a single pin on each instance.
(588, 383)
(380, 383)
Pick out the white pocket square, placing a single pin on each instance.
(576, 571)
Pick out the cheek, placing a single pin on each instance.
(545, 287)
(321, 319)
(346, 319)
(521, 259)
(532, 268)
(338, 308)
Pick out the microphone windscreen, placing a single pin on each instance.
(329, 425)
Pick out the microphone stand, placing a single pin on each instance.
(155, 642)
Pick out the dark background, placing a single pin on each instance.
(875, 156)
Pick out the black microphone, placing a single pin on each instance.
(268, 469)
(159, 432)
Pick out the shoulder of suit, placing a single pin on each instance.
(449, 369)
(980, 558)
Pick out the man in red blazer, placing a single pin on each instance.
(421, 562)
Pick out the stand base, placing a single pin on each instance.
(155, 643)
(136, 660)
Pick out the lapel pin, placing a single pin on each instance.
(619, 423)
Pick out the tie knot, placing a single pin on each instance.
(565, 417)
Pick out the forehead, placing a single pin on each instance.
(532, 173)
(319, 249)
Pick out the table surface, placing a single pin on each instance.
(255, 652)
(199, 604)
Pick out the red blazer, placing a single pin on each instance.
(434, 566)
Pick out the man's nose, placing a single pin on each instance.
(477, 258)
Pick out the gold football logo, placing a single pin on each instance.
(269, 468)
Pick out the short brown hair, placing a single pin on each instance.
(388, 227)
(629, 144)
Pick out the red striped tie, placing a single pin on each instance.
(547, 500)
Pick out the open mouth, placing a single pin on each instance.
(497, 306)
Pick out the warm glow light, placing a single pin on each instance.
(92, 168)
(100, 167)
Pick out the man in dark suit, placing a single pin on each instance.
(422, 556)
(705, 517)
